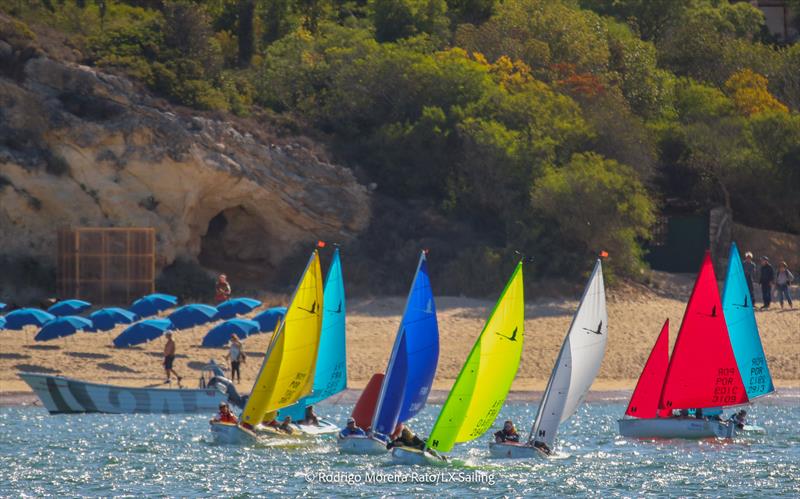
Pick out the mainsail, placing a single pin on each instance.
(578, 362)
(703, 371)
(644, 401)
(412, 365)
(483, 383)
(737, 304)
(288, 368)
(330, 376)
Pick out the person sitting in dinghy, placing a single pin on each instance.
(310, 417)
(507, 434)
(739, 419)
(351, 429)
(225, 415)
(407, 438)
(286, 425)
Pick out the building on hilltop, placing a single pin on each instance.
(781, 20)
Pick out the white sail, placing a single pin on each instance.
(578, 362)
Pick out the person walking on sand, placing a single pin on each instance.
(236, 357)
(222, 291)
(782, 281)
(767, 277)
(750, 273)
(169, 358)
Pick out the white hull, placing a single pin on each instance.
(358, 444)
(411, 456)
(514, 451)
(61, 395)
(232, 434)
(675, 428)
(324, 427)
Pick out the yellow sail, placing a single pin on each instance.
(287, 373)
(481, 388)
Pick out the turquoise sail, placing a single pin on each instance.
(330, 376)
(737, 305)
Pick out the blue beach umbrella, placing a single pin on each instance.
(236, 306)
(106, 318)
(142, 332)
(149, 305)
(192, 315)
(69, 307)
(268, 319)
(2, 323)
(221, 334)
(27, 317)
(62, 326)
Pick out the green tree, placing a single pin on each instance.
(396, 19)
(597, 204)
(651, 18)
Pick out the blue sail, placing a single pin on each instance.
(330, 375)
(415, 355)
(737, 305)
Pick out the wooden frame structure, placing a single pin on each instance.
(106, 265)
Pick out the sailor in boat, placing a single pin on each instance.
(310, 417)
(739, 419)
(507, 434)
(407, 438)
(286, 425)
(351, 429)
(225, 415)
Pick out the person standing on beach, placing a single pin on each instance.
(236, 356)
(222, 291)
(782, 282)
(766, 279)
(169, 358)
(750, 273)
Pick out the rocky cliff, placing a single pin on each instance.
(82, 148)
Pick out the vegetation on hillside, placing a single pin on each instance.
(561, 127)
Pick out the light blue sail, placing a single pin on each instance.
(330, 375)
(415, 355)
(737, 305)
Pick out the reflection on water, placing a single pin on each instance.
(173, 455)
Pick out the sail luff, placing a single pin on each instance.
(740, 319)
(485, 378)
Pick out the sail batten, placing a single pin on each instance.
(740, 319)
(645, 397)
(415, 354)
(703, 371)
(482, 385)
(287, 372)
(578, 361)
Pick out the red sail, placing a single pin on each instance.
(365, 406)
(644, 401)
(703, 370)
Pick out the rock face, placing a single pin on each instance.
(83, 148)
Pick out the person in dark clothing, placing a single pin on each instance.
(750, 273)
(507, 434)
(766, 279)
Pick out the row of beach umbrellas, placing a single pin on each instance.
(61, 319)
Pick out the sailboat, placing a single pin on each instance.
(702, 373)
(287, 373)
(482, 385)
(574, 372)
(330, 374)
(405, 387)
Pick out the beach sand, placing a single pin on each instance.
(635, 319)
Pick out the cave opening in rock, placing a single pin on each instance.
(237, 243)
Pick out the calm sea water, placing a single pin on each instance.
(173, 455)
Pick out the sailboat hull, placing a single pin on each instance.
(675, 428)
(358, 444)
(514, 451)
(411, 456)
(232, 434)
(324, 427)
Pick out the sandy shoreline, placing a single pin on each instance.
(635, 318)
